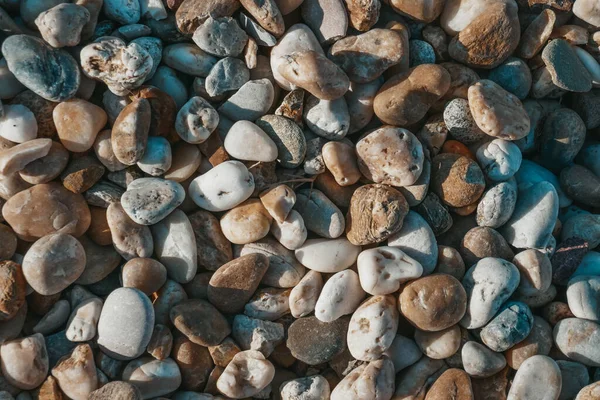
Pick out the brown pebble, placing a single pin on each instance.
(450, 262)
(117, 390)
(13, 288)
(457, 180)
(162, 111)
(339, 195)
(340, 160)
(78, 122)
(76, 373)
(130, 132)
(246, 223)
(376, 213)
(224, 352)
(539, 341)
(492, 388)
(189, 318)
(130, 239)
(191, 13)
(481, 242)
(556, 311)
(278, 201)
(453, 384)
(99, 231)
(47, 168)
(161, 342)
(433, 303)
(82, 173)
(145, 274)
(537, 33)
(194, 363)
(50, 390)
(9, 242)
(292, 106)
(214, 249)
(363, 13)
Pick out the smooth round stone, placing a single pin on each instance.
(383, 269)
(497, 112)
(590, 392)
(497, 204)
(129, 238)
(116, 390)
(122, 67)
(196, 120)
(405, 98)
(234, 283)
(228, 74)
(288, 137)
(581, 184)
(292, 232)
(514, 76)
(221, 37)
(246, 375)
(83, 320)
(246, 141)
(129, 135)
(369, 342)
(320, 215)
(149, 200)
(122, 11)
(152, 377)
(433, 303)
(14, 159)
(460, 123)
(327, 118)
(45, 169)
(441, 344)
(189, 59)
(125, 310)
(18, 124)
(578, 339)
(583, 226)
(53, 262)
(194, 363)
(538, 378)
(416, 239)
(450, 262)
(24, 361)
(304, 295)
(50, 73)
(327, 255)
(340, 160)
(252, 100)
(481, 242)
(366, 56)
(567, 71)
(368, 381)
(588, 12)
(535, 269)
(311, 387)
(511, 325)
(403, 352)
(189, 317)
(533, 219)
(332, 339)
(175, 246)
(402, 163)
(213, 248)
(167, 81)
(481, 362)
(499, 159)
(145, 274)
(456, 179)
(246, 223)
(459, 383)
(583, 295)
(153, 47)
(488, 283)
(531, 172)
(186, 159)
(157, 157)
(341, 295)
(223, 187)
(61, 25)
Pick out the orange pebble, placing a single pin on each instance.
(454, 146)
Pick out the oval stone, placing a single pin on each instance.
(149, 200)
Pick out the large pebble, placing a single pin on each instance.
(340, 296)
(223, 187)
(531, 172)
(579, 340)
(433, 303)
(53, 262)
(252, 100)
(129, 135)
(228, 75)
(62, 24)
(246, 375)
(76, 374)
(481, 362)
(326, 255)
(130, 239)
(575, 376)
(536, 271)
(590, 392)
(383, 269)
(566, 69)
(403, 159)
(189, 59)
(332, 339)
(581, 184)
(125, 310)
(246, 141)
(488, 284)
(213, 248)
(221, 37)
(191, 13)
(414, 381)
(511, 325)
(123, 11)
(50, 73)
(24, 361)
(481, 242)
(149, 200)
(538, 377)
(514, 76)
(304, 295)
(497, 204)
(369, 342)
(561, 138)
(16, 158)
(441, 344)
(539, 341)
(452, 384)
(257, 334)
(77, 123)
(196, 120)
(371, 381)
(360, 99)
(533, 219)
(417, 240)
(327, 118)
(583, 294)
(583, 226)
(313, 387)
(405, 98)
(460, 122)
(82, 323)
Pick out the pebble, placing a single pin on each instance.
(499, 159)
(538, 377)
(220, 37)
(359, 99)
(497, 204)
(416, 379)
(18, 124)
(453, 383)
(129, 135)
(327, 255)
(514, 76)
(61, 25)
(331, 343)
(320, 215)
(304, 295)
(535, 269)
(188, 316)
(327, 118)
(14, 287)
(149, 200)
(122, 67)
(76, 375)
(166, 80)
(251, 101)
(561, 139)
(497, 112)
(144, 274)
(405, 98)
(537, 33)
(403, 159)
(481, 362)
(590, 392)
(257, 145)
(246, 375)
(457, 180)
(190, 14)
(257, 334)
(578, 339)
(16, 158)
(460, 122)
(481, 242)
(50, 73)
(442, 302)
(223, 187)
(228, 75)
(511, 325)
(196, 120)
(292, 232)
(284, 270)
(267, 14)
(307, 388)
(24, 361)
(326, 30)
(125, 309)
(83, 320)
(130, 239)
(441, 344)
(416, 240)
(157, 156)
(488, 283)
(584, 226)
(582, 297)
(288, 137)
(189, 59)
(116, 390)
(533, 173)
(152, 377)
(421, 52)
(246, 223)
(533, 219)
(122, 11)
(366, 56)
(575, 377)
(450, 262)
(383, 269)
(341, 295)
(369, 381)
(565, 68)
(539, 341)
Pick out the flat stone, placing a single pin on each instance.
(332, 339)
(578, 339)
(149, 200)
(567, 71)
(189, 318)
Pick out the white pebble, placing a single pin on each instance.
(18, 123)
(223, 187)
(246, 141)
(340, 296)
(291, 233)
(327, 255)
(383, 269)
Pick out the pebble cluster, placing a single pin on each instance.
(300, 199)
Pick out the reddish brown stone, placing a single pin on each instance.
(162, 114)
(492, 388)
(82, 173)
(453, 384)
(194, 363)
(12, 289)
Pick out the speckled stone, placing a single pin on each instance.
(567, 71)
(320, 215)
(149, 200)
(566, 259)
(514, 76)
(510, 326)
(332, 340)
(456, 179)
(288, 137)
(460, 123)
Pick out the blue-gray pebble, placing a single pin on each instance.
(514, 76)
(420, 52)
(510, 326)
(50, 73)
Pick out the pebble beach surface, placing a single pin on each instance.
(300, 199)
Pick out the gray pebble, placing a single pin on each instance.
(417, 240)
(228, 74)
(584, 226)
(149, 200)
(256, 334)
(532, 173)
(435, 213)
(499, 159)
(221, 37)
(510, 326)
(61, 25)
(123, 11)
(583, 297)
(536, 114)
(250, 102)
(103, 194)
(575, 376)
(561, 139)
(189, 59)
(154, 47)
(132, 31)
(262, 37)
(481, 362)
(460, 122)
(320, 215)
(166, 80)
(578, 339)
(514, 76)
(327, 118)
(567, 71)
(157, 156)
(288, 137)
(497, 204)
(420, 52)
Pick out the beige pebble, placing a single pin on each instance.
(278, 201)
(77, 123)
(340, 160)
(439, 345)
(24, 361)
(246, 223)
(304, 295)
(246, 141)
(383, 269)
(246, 375)
(16, 158)
(341, 295)
(186, 160)
(76, 374)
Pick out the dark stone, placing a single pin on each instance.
(566, 259)
(435, 213)
(315, 342)
(58, 346)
